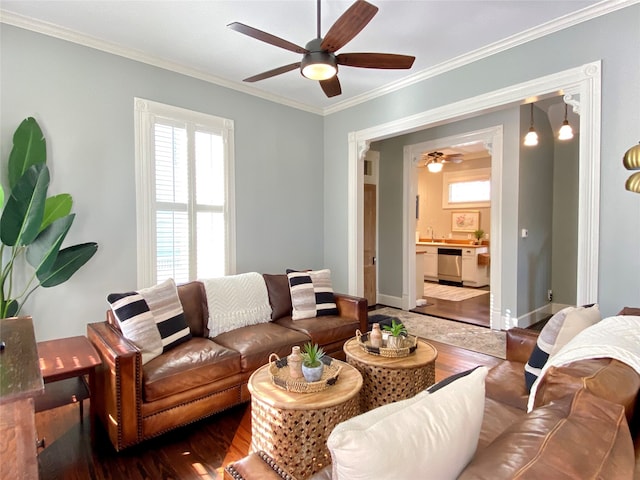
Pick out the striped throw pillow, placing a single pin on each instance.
(311, 294)
(560, 328)
(152, 318)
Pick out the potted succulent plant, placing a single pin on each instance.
(33, 226)
(312, 365)
(479, 234)
(397, 332)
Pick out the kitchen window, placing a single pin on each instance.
(467, 188)
(184, 194)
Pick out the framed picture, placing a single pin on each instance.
(465, 221)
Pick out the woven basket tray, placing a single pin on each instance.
(410, 345)
(279, 371)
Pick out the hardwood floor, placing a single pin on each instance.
(198, 451)
(474, 311)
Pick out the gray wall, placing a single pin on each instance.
(535, 213)
(83, 100)
(619, 255)
(564, 261)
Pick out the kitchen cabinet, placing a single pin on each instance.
(474, 275)
(430, 266)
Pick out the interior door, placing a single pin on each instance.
(370, 227)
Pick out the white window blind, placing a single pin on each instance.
(184, 194)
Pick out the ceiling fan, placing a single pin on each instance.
(435, 160)
(319, 60)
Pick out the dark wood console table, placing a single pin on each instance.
(20, 382)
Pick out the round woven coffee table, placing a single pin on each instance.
(387, 380)
(293, 427)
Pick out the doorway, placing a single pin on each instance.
(581, 88)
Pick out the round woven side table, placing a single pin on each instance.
(386, 380)
(293, 427)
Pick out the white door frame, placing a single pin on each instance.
(492, 139)
(581, 87)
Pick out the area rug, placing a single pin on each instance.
(454, 294)
(458, 334)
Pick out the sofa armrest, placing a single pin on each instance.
(118, 384)
(353, 307)
(520, 343)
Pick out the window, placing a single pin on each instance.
(467, 188)
(184, 196)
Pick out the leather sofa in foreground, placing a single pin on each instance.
(203, 376)
(584, 425)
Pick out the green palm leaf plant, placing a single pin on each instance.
(34, 226)
(395, 329)
(312, 355)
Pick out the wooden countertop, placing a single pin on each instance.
(449, 243)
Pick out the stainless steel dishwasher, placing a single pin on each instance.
(450, 266)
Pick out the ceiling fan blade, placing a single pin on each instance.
(273, 73)
(350, 23)
(266, 37)
(375, 60)
(331, 87)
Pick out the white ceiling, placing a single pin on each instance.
(192, 37)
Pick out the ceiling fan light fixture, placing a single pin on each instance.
(318, 66)
(434, 166)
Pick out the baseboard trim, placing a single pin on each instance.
(535, 316)
(390, 301)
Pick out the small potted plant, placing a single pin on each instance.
(312, 365)
(397, 332)
(478, 234)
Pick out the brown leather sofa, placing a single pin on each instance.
(204, 375)
(588, 410)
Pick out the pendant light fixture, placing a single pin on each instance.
(565, 132)
(531, 138)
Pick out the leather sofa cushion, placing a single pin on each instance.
(189, 365)
(591, 433)
(256, 342)
(505, 383)
(194, 304)
(497, 418)
(322, 330)
(604, 377)
(279, 295)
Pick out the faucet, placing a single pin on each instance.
(431, 230)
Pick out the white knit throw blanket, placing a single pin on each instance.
(614, 337)
(236, 301)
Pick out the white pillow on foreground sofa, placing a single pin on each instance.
(432, 435)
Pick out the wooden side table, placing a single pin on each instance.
(387, 380)
(64, 362)
(293, 427)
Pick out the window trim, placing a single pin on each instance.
(464, 176)
(145, 112)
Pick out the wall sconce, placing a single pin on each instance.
(631, 161)
(565, 132)
(531, 138)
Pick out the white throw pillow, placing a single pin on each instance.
(429, 436)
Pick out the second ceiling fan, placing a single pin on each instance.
(319, 60)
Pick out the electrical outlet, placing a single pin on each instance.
(549, 295)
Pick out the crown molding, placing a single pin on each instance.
(560, 23)
(566, 21)
(72, 36)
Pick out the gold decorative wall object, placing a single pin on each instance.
(631, 161)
